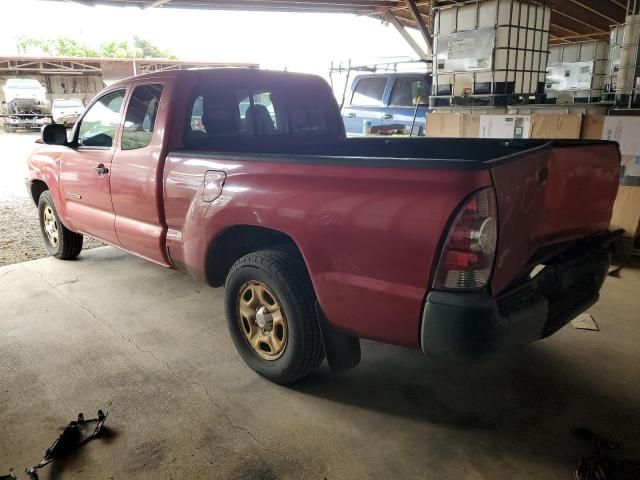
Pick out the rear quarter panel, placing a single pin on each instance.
(368, 235)
(550, 196)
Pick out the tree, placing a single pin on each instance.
(68, 47)
(149, 50)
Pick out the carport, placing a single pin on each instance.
(150, 346)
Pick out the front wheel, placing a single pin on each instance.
(270, 311)
(59, 241)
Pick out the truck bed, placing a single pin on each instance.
(458, 153)
(348, 220)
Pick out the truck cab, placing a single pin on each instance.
(387, 100)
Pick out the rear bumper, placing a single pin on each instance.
(456, 324)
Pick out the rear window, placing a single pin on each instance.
(369, 91)
(67, 103)
(267, 111)
(408, 92)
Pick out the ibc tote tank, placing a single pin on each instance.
(492, 47)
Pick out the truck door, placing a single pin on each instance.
(365, 104)
(138, 163)
(406, 91)
(85, 170)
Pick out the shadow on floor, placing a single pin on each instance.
(525, 402)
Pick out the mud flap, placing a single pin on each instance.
(342, 351)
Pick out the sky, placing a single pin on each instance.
(304, 42)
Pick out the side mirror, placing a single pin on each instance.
(54, 134)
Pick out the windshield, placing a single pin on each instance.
(72, 102)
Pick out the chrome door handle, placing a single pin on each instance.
(351, 115)
(101, 169)
(387, 116)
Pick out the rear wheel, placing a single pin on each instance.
(59, 241)
(271, 317)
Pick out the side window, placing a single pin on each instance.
(369, 92)
(141, 116)
(308, 116)
(215, 114)
(407, 92)
(98, 126)
(230, 116)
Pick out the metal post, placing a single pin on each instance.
(417, 16)
(391, 18)
(346, 83)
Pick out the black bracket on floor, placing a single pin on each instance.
(342, 350)
(74, 435)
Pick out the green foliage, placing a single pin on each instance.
(68, 47)
(148, 50)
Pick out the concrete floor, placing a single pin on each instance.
(150, 346)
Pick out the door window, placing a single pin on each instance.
(98, 126)
(369, 91)
(407, 92)
(141, 117)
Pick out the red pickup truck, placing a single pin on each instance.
(245, 178)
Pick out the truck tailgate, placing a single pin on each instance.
(552, 194)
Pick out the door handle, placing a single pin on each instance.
(351, 115)
(101, 169)
(387, 116)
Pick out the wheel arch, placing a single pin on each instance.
(36, 189)
(342, 350)
(239, 240)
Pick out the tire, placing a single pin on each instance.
(287, 294)
(59, 241)
(8, 129)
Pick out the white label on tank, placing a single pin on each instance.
(459, 48)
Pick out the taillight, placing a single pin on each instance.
(467, 255)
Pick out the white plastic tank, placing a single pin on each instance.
(627, 84)
(495, 46)
(578, 68)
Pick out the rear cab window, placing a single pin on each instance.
(369, 92)
(223, 113)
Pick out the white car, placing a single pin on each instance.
(66, 110)
(25, 96)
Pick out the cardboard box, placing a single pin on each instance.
(504, 126)
(474, 125)
(445, 125)
(625, 131)
(452, 125)
(626, 211)
(592, 127)
(558, 126)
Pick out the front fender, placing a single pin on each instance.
(44, 166)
